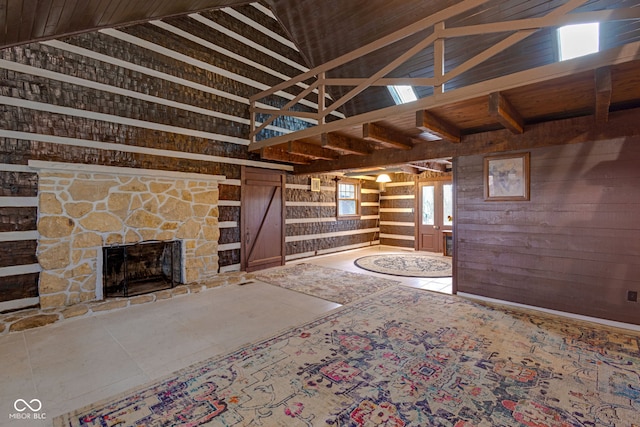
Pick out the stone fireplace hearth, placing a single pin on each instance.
(82, 208)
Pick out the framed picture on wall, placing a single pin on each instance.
(506, 177)
(315, 184)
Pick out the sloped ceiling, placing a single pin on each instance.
(22, 21)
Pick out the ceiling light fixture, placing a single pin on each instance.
(382, 179)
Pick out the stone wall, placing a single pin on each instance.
(80, 211)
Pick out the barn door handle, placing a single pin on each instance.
(248, 238)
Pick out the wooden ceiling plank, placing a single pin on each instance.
(603, 94)
(13, 21)
(66, 22)
(29, 13)
(567, 131)
(280, 154)
(428, 122)
(111, 13)
(502, 110)
(622, 14)
(488, 53)
(3, 19)
(311, 150)
(53, 18)
(386, 136)
(346, 144)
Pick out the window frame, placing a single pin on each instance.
(562, 38)
(357, 198)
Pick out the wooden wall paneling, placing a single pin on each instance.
(572, 247)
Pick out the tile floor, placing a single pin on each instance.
(79, 361)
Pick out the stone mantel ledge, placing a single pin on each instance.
(39, 165)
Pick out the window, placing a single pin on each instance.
(447, 204)
(402, 94)
(348, 199)
(578, 40)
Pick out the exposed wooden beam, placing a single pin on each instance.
(386, 136)
(280, 154)
(311, 151)
(621, 124)
(603, 94)
(430, 123)
(502, 110)
(336, 141)
(388, 81)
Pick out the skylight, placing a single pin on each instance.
(402, 94)
(578, 40)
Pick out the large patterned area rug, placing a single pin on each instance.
(330, 284)
(413, 265)
(403, 357)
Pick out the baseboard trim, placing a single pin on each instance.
(605, 322)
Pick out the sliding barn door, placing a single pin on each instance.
(262, 219)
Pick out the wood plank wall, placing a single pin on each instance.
(573, 247)
(170, 95)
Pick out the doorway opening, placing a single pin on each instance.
(435, 217)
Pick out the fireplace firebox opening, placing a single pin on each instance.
(140, 268)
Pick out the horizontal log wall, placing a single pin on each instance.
(148, 96)
(573, 247)
(311, 224)
(397, 211)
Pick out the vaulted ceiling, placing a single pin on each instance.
(517, 85)
(23, 21)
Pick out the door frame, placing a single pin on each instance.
(243, 216)
(438, 181)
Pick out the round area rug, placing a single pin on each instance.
(411, 265)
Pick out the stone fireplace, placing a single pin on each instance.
(140, 268)
(83, 208)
